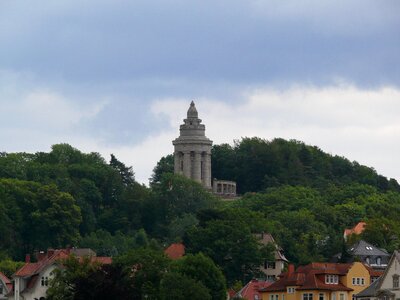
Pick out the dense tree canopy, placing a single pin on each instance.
(300, 194)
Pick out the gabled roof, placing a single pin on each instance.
(29, 269)
(373, 272)
(51, 257)
(175, 251)
(395, 256)
(371, 290)
(311, 277)
(357, 229)
(252, 288)
(6, 281)
(267, 238)
(363, 248)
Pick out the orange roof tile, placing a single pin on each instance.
(6, 281)
(29, 269)
(311, 277)
(252, 288)
(175, 251)
(357, 229)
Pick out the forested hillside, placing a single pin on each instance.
(256, 164)
(300, 194)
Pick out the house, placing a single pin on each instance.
(175, 251)
(5, 286)
(32, 279)
(367, 253)
(357, 230)
(272, 269)
(251, 290)
(370, 293)
(388, 287)
(319, 281)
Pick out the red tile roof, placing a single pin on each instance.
(252, 288)
(29, 269)
(6, 281)
(357, 229)
(104, 260)
(374, 273)
(52, 256)
(311, 277)
(175, 251)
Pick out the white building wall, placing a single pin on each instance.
(387, 282)
(38, 290)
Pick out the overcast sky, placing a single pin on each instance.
(118, 76)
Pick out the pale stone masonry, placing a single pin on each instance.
(224, 187)
(192, 150)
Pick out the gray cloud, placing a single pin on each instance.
(242, 42)
(102, 65)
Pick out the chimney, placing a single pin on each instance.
(40, 255)
(27, 258)
(50, 252)
(290, 269)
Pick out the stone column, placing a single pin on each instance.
(187, 165)
(207, 171)
(177, 163)
(197, 167)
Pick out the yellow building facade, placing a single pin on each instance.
(320, 281)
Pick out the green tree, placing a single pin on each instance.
(230, 244)
(175, 286)
(125, 172)
(164, 165)
(177, 195)
(142, 271)
(202, 269)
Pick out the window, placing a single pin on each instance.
(283, 296)
(291, 290)
(321, 296)
(42, 281)
(378, 260)
(308, 296)
(271, 277)
(341, 296)
(256, 297)
(358, 281)
(331, 279)
(333, 296)
(395, 281)
(1, 288)
(269, 265)
(274, 297)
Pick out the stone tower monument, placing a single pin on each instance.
(192, 150)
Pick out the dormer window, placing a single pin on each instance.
(378, 261)
(331, 279)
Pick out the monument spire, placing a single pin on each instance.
(192, 155)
